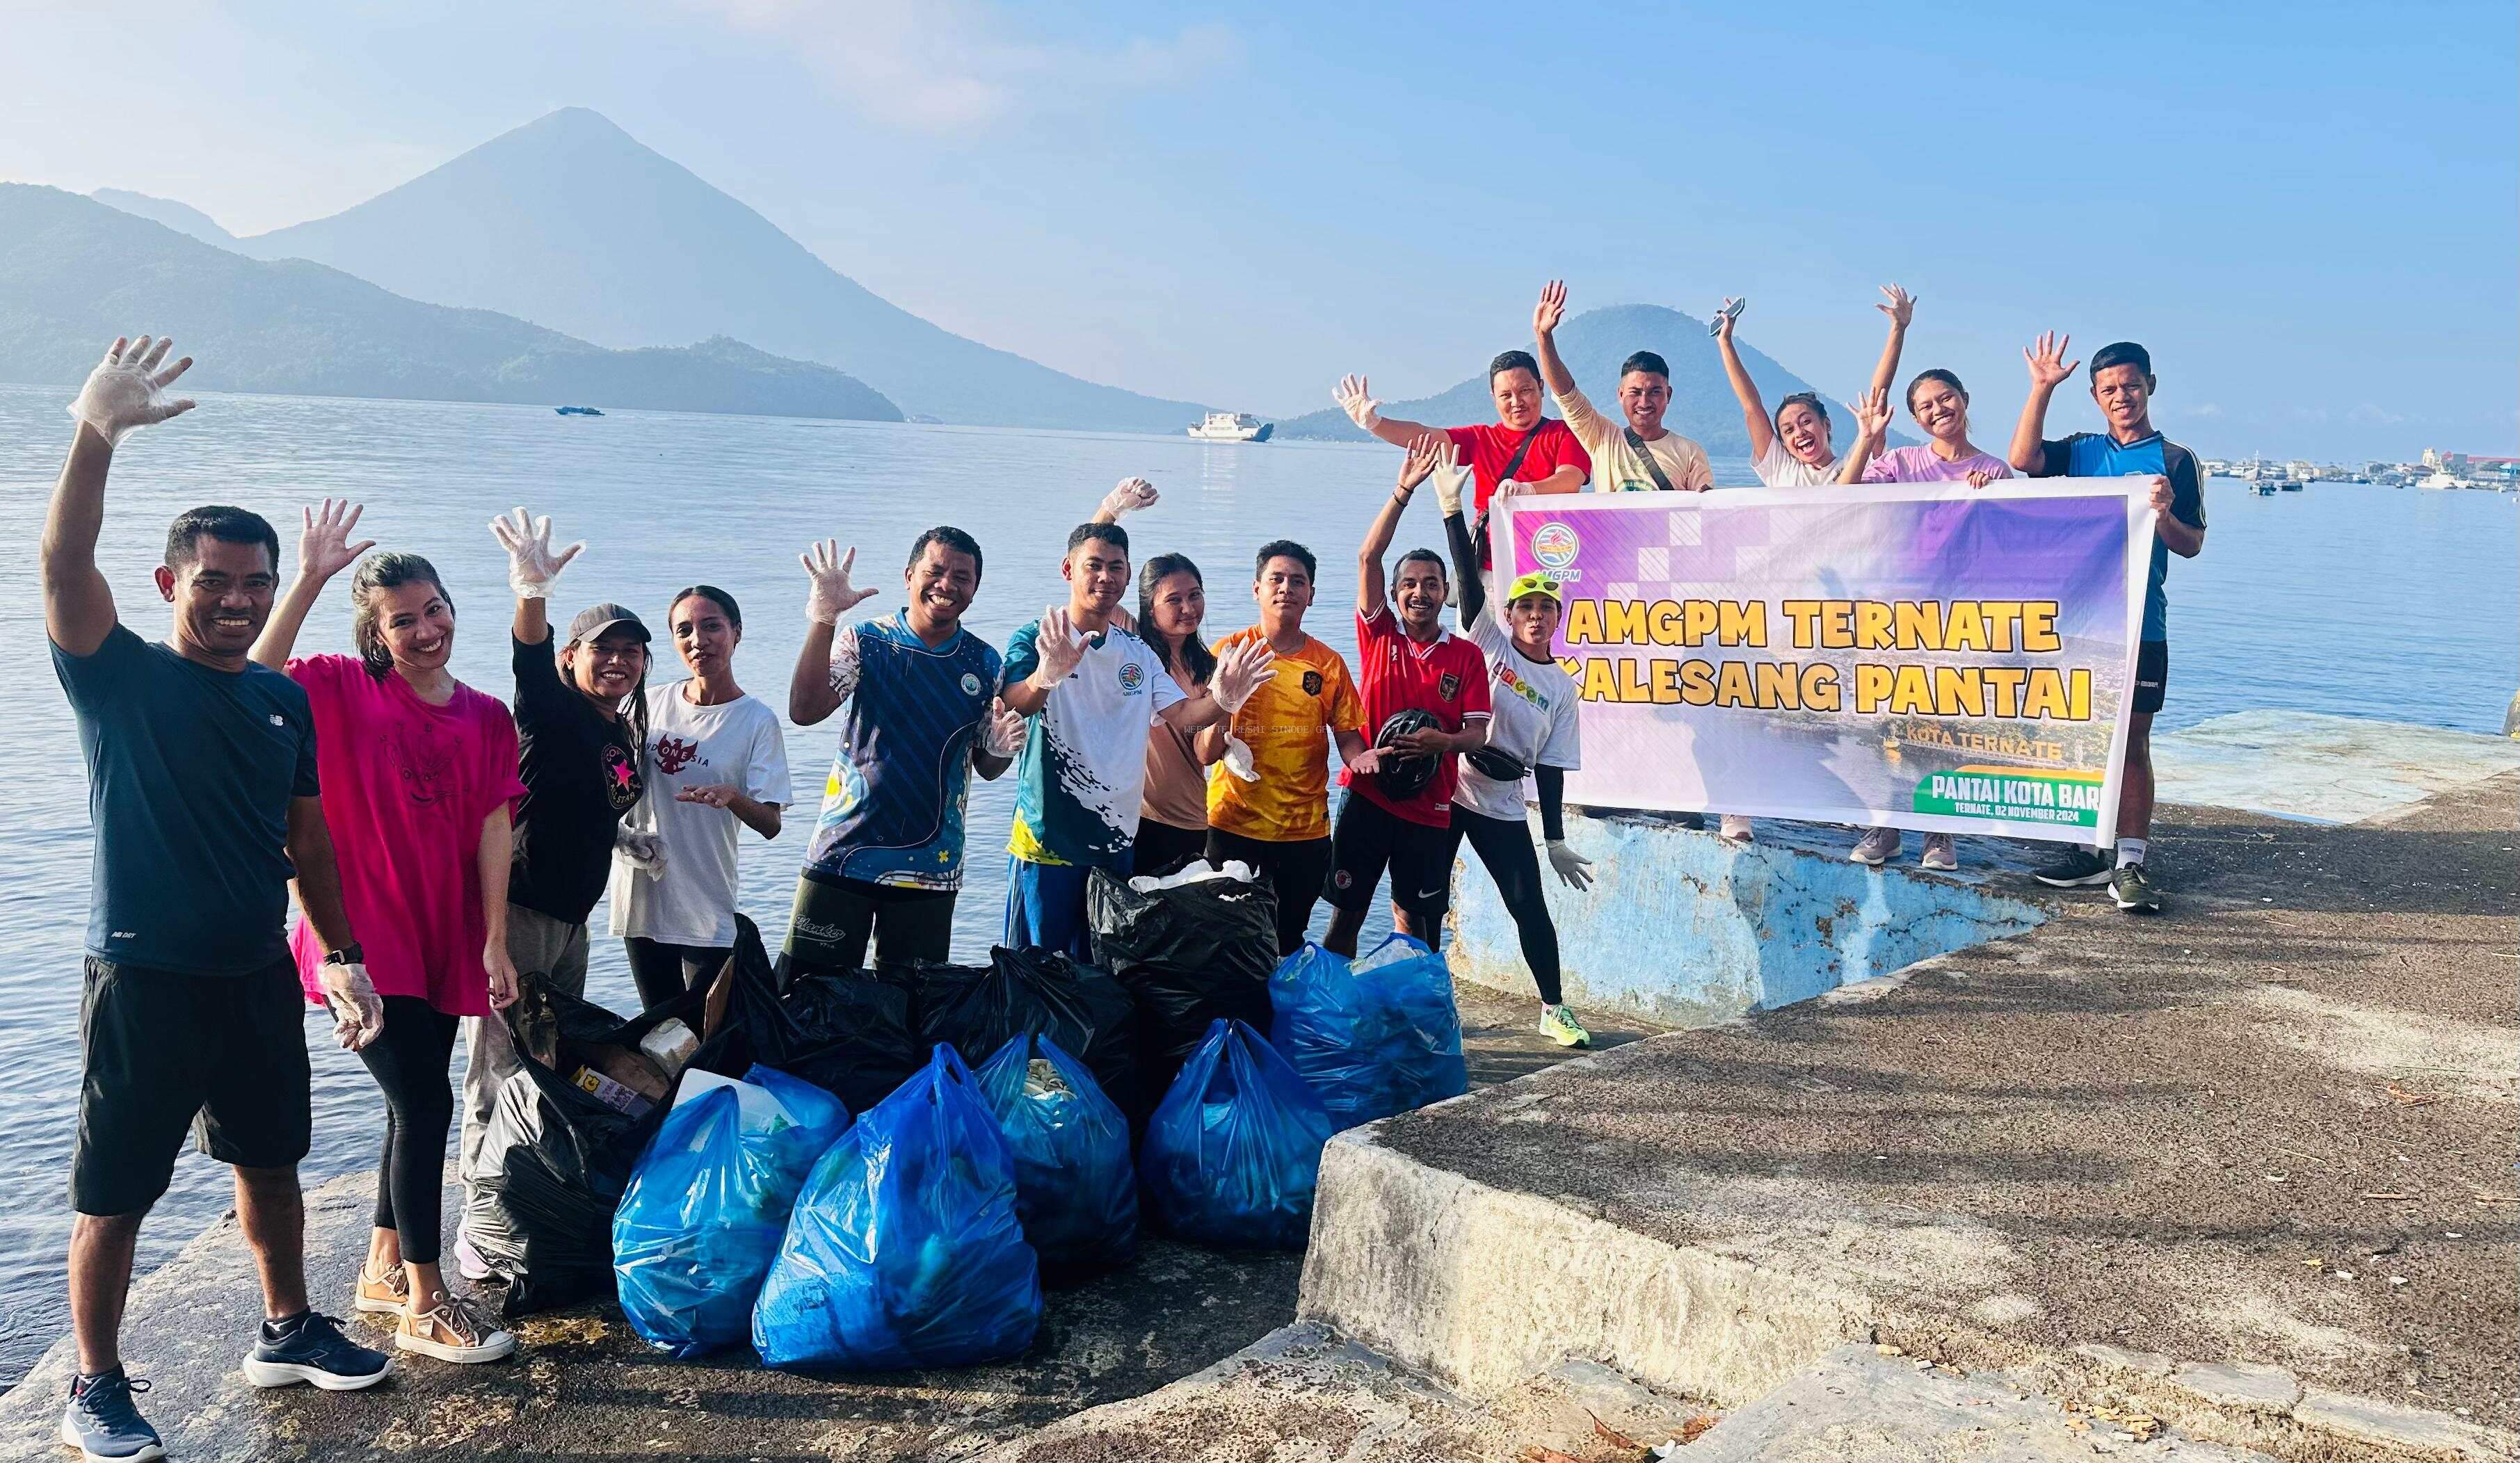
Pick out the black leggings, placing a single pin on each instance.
(663, 971)
(408, 1060)
(1162, 849)
(1504, 847)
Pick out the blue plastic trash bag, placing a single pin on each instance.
(1377, 1037)
(1233, 1153)
(904, 1249)
(702, 1216)
(1076, 1189)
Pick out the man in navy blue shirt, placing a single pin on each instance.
(2122, 385)
(202, 787)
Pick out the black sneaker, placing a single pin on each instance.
(2132, 891)
(2076, 869)
(105, 1425)
(311, 1348)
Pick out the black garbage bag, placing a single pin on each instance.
(1034, 991)
(844, 1031)
(1192, 954)
(556, 1155)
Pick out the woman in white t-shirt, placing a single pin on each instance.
(1792, 450)
(1532, 733)
(715, 762)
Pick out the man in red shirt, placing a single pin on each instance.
(1401, 814)
(1537, 453)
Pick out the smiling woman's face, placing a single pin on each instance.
(416, 624)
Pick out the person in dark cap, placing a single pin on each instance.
(581, 720)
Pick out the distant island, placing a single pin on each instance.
(77, 273)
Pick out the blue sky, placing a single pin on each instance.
(2311, 212)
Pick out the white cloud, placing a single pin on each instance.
(2369, 414)
(956, 66)
(2205, 409)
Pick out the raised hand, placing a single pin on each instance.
(1900, 306)
(1002, 733)
(1426, 455)
(1724, 317)
(1132, 494)
(1452, 480)
(532, 566)
(1241, 670)
(1062, 645)
(1550, 309)
(324, 546)
(128, 389)
(2048, 366)
(1872, 414)
(833, 596)
(1357, 400)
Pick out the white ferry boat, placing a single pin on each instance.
(1232, 426)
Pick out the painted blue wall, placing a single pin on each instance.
(1683, 927)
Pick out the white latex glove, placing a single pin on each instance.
(126, 389)
(1451, 479)
(1238, 759)
(1357, 402)
(1002, 734)
(833, 596)
(1572, 867)
(1132, 494)
(1505, 488)
(1062, 647)
(644, 852)
(358, 1015)
(532, 566)
(1242, 670)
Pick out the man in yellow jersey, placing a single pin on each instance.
(1269, 804)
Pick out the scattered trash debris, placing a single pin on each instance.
(2412, 1099)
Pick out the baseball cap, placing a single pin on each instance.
(1535, 584)
(596, 620)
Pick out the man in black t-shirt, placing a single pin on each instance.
(201, 789)
(578, 735)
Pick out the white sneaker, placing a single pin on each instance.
(1737, 828)
(1877, 846)
(458, 1330)
(1940, 852)
(1558, 1024)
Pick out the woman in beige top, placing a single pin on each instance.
(1172, 816)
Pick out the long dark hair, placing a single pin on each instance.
(1195, 652)
(386, 571)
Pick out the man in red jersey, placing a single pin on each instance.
(1537, 453)
(1400, 814)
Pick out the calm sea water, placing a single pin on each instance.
(2396, 604)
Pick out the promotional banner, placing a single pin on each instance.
(1925, 655)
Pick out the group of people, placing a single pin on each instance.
(439, 844)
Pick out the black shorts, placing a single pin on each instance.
(2151, 675)
(1371, 837)
(1163, 849)
(835, 920)
(163, 1051)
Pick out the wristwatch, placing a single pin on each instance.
(347, 955)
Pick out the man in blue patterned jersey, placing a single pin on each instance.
(886, 858)
(2122, 383)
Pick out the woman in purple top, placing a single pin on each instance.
(1940, 404)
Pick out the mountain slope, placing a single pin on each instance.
(77, 273)
(183, 218)
(1594, 343)
(570, 222)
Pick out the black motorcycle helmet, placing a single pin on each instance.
(1407, 774)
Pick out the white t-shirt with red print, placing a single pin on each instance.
(736, 743)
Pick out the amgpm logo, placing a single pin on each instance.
(1554, 545)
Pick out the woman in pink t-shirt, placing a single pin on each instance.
(419, 775)
(1940, 404)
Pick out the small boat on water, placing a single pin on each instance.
(2293, 485)
(1232, 426)
(578, 411)
(2263, 489)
